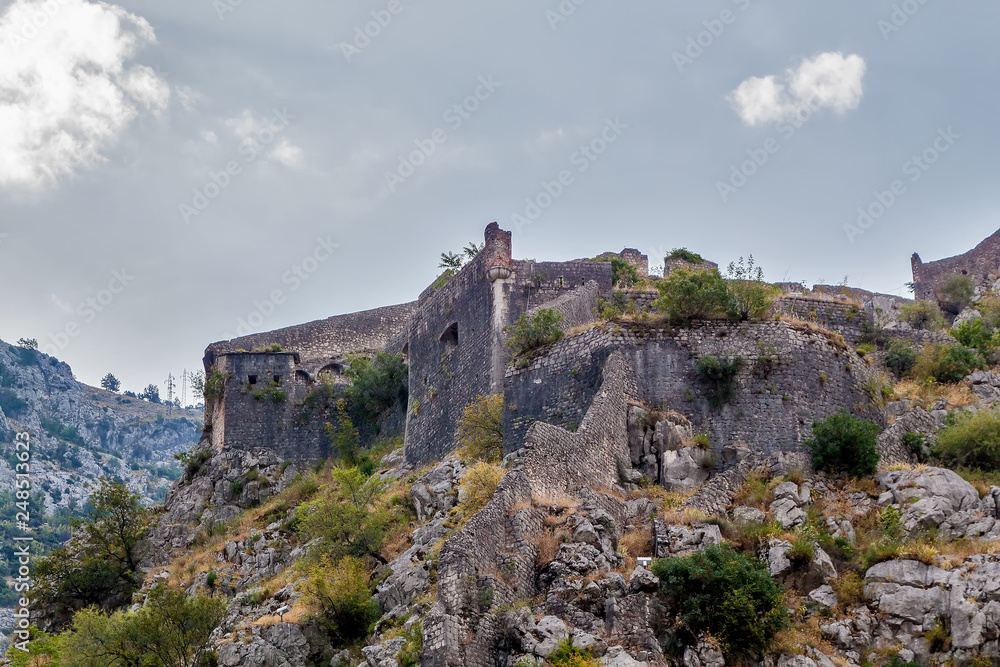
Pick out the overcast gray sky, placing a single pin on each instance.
(118, 123)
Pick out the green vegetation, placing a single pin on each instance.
(568, 655)
(925, 315)
(901, 357)
(845, 443)
(684, 254)
(725, 594)
(377, 384)
(340, 590)
(973, 441)
(100, 566)
(170, 630)
(453, 261)
(623, 274)
(947, 363)
(957, 293)
(534, 331)
(749, 296)
(110, 383)
(692, 295)
(347, 518)
(978, 335)
(11, 404)
(57, 429)
(480, 429)
(718, 377)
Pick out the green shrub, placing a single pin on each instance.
(623, 274)
(939, 637)
(534, 331)
(11, 404)
(478, 486)
(725, 594)
(946, 363)
(977, 334)
(211, 578)
(718, 377)
(925, 315)
(413, 649)
(972, 442)
(684, 254)
(568, 655)
(57, 429)
(377, 384)
(692, 295)
(750, 297)
(896, 661)
(340, 591)
(844, 443)
(901, 357)
(957, 293)
(480, 429)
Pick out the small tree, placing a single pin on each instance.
(901, 357)
(972, 442)
(339, 589)
(722, 593)
(151, 394)
(925, 315)
(450, 260)
(111, 383)
(691, 295)
(377, 384)
(346, 517)
(749, 296)
(957, 293)
(480, 429)
(947, 364)
(845, 443)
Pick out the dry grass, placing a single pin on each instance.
(756, 490)
(802, 636)
(557, 500)
(927, 394)
(638, 542)
(548, 542)
(685, 516)
(297, 614)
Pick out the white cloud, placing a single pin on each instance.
(828, 81)
(288, 154)
(210, 137)
(67, 90)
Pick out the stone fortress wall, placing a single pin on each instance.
(793, 376)
(982, 264)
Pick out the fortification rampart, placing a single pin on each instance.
(792, 377)
(555, 463)
(982, 264)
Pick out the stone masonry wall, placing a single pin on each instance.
(577, 306)
(250, 416)
(450, 355)
(539, 282)
(325, 340)
(792, 377)
(979, 263)
(500, 538)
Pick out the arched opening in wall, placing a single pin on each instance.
(449, 339)
(302, 377)
(331, 372)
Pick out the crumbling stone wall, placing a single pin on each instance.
(793, 376)
(496, 550)
(537, 283)
(982, 264)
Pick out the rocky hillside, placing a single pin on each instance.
(81, 433)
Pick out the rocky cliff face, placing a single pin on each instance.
(80, 433)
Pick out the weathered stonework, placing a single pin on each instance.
(982, 264)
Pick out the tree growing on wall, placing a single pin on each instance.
(749, 296)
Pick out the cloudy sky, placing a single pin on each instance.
(168, 168)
